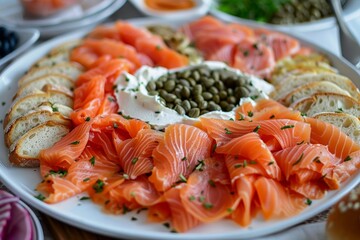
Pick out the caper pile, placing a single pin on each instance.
(197, 91)
(299, 11)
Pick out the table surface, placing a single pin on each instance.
(328, 38)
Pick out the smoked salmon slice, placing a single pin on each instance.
(135, 155)
(183, 148)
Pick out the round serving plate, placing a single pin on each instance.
(89, 216)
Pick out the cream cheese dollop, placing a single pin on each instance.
(134, 101)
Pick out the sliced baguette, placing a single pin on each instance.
(327, 102)
(347, 123)
(71, 70)
(311, 88)
(31, 102)
(56, 80)
(25, 151)
(292, 82)
(25, 123)
(67, 46)
(49, 61)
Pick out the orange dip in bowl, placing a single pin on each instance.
(170, 5)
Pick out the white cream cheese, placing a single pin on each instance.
(134, 101)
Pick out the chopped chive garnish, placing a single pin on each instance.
(214, 147)
(125, 209)
(250, 113)
(182, 178)
(299, 160)
(238, 165)
(241, 117)
(227, 131)
(84, 198)
(192, 198)
(348, 158)
(115, 125)
(229, 210)
(340, 110)
(201, 199)
(87, 119)
(133, 219)
(75, 142)
(200, 165)
(167, 225)
(256, 129)
(317, 159)
(308, 201)
(92, 160)
(286, 127)
(134, 160)
(158, 47)
(98, 186)
(303, 114)
(272, 116)
(299, 143)
(40, 197)
(271, 163)
(254, 97)
(253, 162)
(86, 179)
(127, 79)
(125, 176)
(231, 119)
(207, 205)
(111, 99)
(211, 183)
(184, 159)
(245, 163)
(157, 112)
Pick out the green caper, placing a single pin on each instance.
(213, 90)
(162, 101)
(159, 84)
(185, 92)
(203, 112)
(223, 94)
(192, 82)
(162, 78)
(213, 106)
(224, 104)
(186, 105)
(208, 82)
(177, 92)
(170, 105)
(231, 99)
(198, 98)
(197, 89)
(203, 105)
(204, 72)
(184, 82)
(162, 93)
(194, 112)
(151, 86)
(229, 107)
(219, 85)
(207, 95)
(179, 109)
(170, 97)
(230, 91)
(196, 75)
(215, 75)
(169, 85)
(153, 93)
(193, 104)
(216, 99)
(244, 91)
(177, 101)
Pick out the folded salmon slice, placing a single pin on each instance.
(183, 148)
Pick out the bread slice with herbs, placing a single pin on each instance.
(327, 102)
(49, 61)
(310, 89)
(347, 123)
(33, 101)
(60, 82)
(71, 70)
(31, 120)
(25, 151)
(293, 82)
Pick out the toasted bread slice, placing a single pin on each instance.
(71, 70)
(347, 123)
(327, 102)
(25, 123)
(49, 61)
(67, 46)
(25, 151)
(311, 88)
(31, 102)
(293, 82)
(56, 80)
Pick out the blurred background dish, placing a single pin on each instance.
(96, 12)
(22, 38)
(173, 10)
(309, 15)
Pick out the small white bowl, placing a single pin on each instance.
(200, 9)
(27, 37)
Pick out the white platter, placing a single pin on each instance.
(88, 216)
